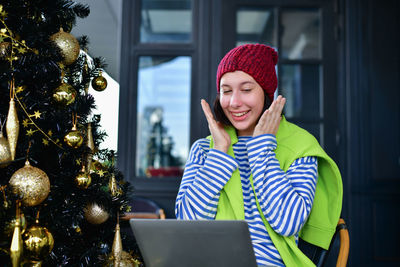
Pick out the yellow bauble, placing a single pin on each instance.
(95, 214)
(99, 83)
(64, 94)
(74, 138)
(31, 184)
(5, 153)
(38, 242)
(68, 45)
(83, 180)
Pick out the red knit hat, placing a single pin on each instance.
(257, 60)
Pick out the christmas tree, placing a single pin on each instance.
(61, 196)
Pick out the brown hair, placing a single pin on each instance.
(221, 117)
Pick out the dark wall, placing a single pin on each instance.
(372, 100)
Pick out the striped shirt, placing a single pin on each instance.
(285, 197)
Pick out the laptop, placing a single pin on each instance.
(181, 243)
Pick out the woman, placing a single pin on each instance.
(258, 167)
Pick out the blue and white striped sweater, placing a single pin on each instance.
(285, 198)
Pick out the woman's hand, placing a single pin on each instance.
(221, 138)
(271, 118)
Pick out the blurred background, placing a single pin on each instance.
(338, 68)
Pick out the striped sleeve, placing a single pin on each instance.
(206, 173)
(285, 198)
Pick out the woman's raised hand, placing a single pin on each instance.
(221, 138)
(271, 118)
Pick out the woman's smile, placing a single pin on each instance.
(242, 100)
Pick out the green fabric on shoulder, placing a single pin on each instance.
(292, 142)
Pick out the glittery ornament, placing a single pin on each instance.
(68, 45)
(12, 128)
(64, 94)
(119, 257)
(99, 83)
(5, 153)
(38, 242)
(74, 138)
(95, 214)
(31, 184)
(83, 179)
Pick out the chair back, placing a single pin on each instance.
(319, 255)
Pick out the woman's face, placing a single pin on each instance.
(242, 100)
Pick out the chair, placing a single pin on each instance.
(319, 256)
(143, 208)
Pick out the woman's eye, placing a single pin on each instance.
(226, 91)
(246, 89)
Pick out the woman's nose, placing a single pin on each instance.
(235, 100)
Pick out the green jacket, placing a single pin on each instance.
(292, 142)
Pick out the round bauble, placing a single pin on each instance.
(5, 153)
(95, 214)
(38, 242)
(31, 184)
(68, 45)
(74, 138)
(99, 83)
(64, 94)
(83, 180)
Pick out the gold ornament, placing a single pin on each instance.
(90, 144)
(112, 185)
(85, 73)
(83, 179)
(99, 83)
(31, 184)
(12, 128)
(16, 248)
(5, 48)
(119, 257)
(64, 94)
(74, 138)
(95, 214)
(5, 153)
(68, 45)
(38, 242)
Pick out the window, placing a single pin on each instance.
(163, 113)
(156, 92)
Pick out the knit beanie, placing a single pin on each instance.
(257, 60)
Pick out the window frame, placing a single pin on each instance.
(131, 50)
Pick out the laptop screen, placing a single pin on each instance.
(180, 243)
